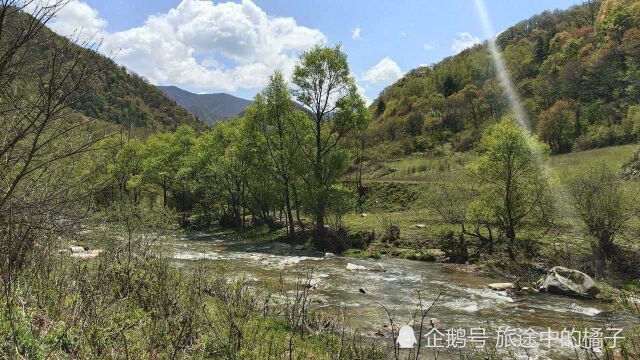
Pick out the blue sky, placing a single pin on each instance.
(218, 47)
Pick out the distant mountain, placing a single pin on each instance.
(209, 108)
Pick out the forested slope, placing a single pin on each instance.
(115, 94)
(577, 72)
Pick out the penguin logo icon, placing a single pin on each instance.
(406, 338)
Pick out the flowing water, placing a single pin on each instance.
(466, 301)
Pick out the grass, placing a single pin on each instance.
(419, 168)
(401, 196)
(567, 166)
(147, 309)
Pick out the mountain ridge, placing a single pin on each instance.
(576, 71)
(209, 108)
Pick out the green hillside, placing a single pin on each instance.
(577, 72)
(112, 93)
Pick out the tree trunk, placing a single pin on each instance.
(287, 204)
(320, 238)
(320, 235)
(511, 235)
(296, 202)
(164, 196)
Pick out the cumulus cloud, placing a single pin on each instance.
(166, 49)
(384, 72)
(463, 41)
(361, 91)
(355, 33)
(80, 21)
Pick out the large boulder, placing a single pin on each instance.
(563, 281)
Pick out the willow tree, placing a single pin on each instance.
(324, 86)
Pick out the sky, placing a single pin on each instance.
(208, 46)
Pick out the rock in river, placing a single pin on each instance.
(76, 249)
(377, 267)
(351, 266)
(563, 281)
(501, 286)
(88, 254)
(329, 255)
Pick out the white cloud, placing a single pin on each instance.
(463, 41)
(355, 33)
(79, 20)
(428, 46)
(166, 49)
(361, 91)
(384, 72)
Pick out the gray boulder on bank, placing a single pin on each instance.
(563, 281)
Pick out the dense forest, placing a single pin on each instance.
(577, 72)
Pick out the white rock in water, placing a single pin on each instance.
(329, 255)
(420, 226)
(76, 249)
(351, 266)
(501, 286)
(364, 215)
(377, 267)
(89, 254)
(299, 247)
(406, 337)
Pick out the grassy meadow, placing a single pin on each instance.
(401, 197)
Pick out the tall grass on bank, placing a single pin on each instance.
(113, 307)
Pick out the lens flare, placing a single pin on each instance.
(515, 105)
(501, 69)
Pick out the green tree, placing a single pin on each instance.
(324, 85)
(557, 126)
(166, 164)
(126, 170)
(603, 207)
(511, 184)
(220, 172)
(273, 115)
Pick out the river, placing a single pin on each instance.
(465, 300)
